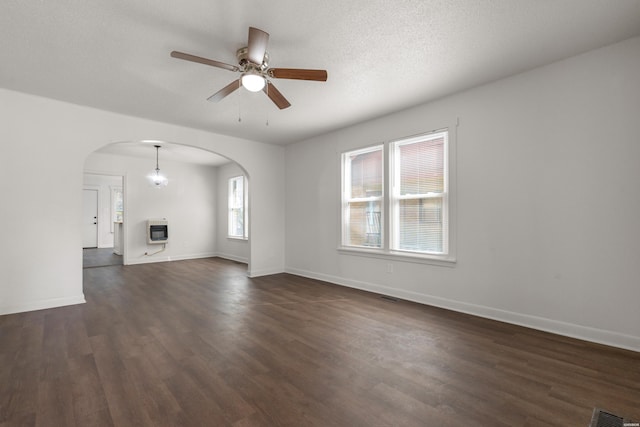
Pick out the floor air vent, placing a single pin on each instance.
(603, 418)
(388, 298)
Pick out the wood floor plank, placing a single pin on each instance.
(86, 387)
(123, 398)
(101, 418)
(198, 343)
(233, 406)
(160, 405)
(55, 403)
(196, 405)
(27, 419)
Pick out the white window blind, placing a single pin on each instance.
(362, 197)
(419, 194)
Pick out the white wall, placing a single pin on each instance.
(53, 139)
(548, 200)
(234, 249)
(103, 184)
(188, 203)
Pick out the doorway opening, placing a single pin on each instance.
(102, 219)
(195, 201)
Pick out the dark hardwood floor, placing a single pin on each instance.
(197, 343)
(99, 257)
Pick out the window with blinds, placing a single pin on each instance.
(412, 218)
(362, 197)
(419, 194)
(237, 222)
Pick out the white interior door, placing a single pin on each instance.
(89, 218)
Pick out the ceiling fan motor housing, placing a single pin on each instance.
(242, 55)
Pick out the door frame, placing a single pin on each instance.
(123, 177)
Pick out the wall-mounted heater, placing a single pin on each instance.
(157, 231)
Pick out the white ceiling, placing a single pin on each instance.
(381, 56)
(167, 151)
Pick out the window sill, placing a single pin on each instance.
(240, 239)
(398, 256)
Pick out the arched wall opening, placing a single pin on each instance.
(46, 271)
(194, 203)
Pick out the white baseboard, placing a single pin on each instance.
(166, 258)
(232, 257)
(600, 336)
(193, 256)
(42, 304)
(264, 272)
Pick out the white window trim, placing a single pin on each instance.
(395, 197)
(447, 260)
(346, 191)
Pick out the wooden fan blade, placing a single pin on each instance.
(205, 61)
(258, 40)
(298, 74)
(224, 91)
(275, 95)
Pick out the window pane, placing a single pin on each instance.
(236, 224)
(421, 226)
(366, 174)
(237, 192)
(422, 167)
(118, 206)
(236, 219)
(363, 229)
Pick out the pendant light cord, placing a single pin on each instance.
(157, 156)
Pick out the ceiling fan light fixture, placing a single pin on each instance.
(253, 81)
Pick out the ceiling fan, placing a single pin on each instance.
(253, 64)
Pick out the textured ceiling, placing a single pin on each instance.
(381, 56)
(167, 151)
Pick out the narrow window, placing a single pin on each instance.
(237, 221)
(363, 198)
(419, 196)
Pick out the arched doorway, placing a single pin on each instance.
(194, 203)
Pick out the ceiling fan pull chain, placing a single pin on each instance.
(267, 110)
(239, 109)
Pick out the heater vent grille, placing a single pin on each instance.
(602, 418)
(157, 231)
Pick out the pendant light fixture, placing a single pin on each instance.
(157, 178)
